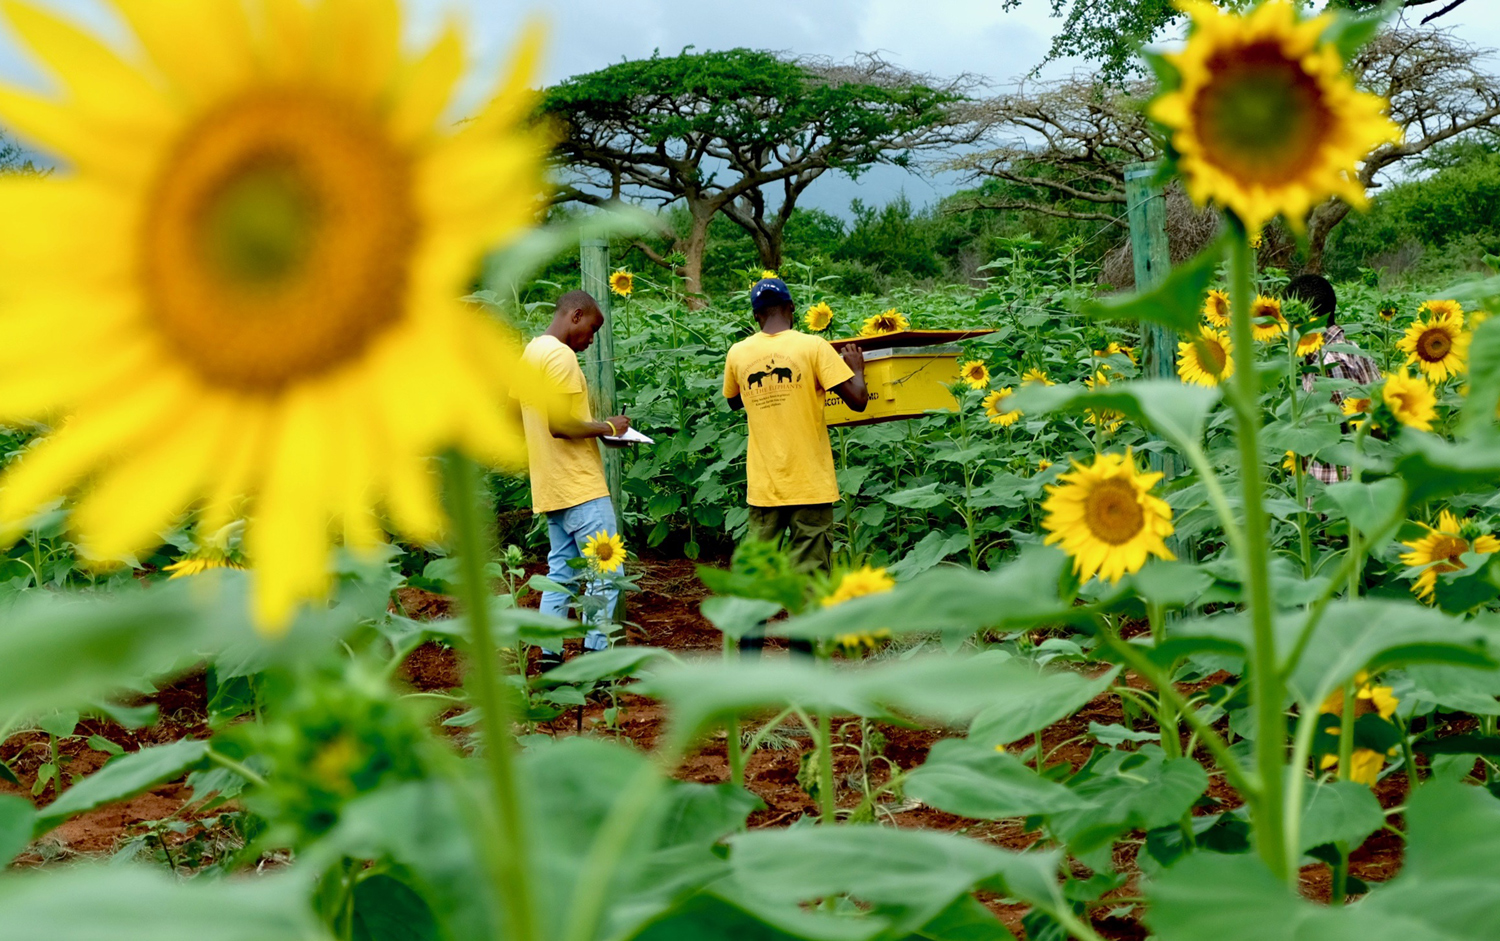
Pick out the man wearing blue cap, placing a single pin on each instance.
(779, 377)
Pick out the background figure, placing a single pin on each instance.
(567, 473)
(779, 377)
(1317, 293)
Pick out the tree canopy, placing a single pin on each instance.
(741, 132)
(1110, 32)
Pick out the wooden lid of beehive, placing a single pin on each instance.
(909, 338)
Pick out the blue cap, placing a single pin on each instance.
(769, 292)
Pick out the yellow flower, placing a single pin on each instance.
(871, 639)
(1105, 517)
(1206, 359)
(819, 316)
(1289, 463)
(1478, 317)
(857, 584)
(1115, 348)
(1442, 549)
(1387, 312)
(1042, 464)
(1265, 120)
(994, 407)
(1034, 375)
(1367, 698)
(975, 373)
(198, 564)
(1216, 308)
(1443, 310)
(1266, 320)
(1383, 698)
(605, 553)
(1106, 419)
(622, 283)
(1439, 347)
(1354, 405)
(767, 273)
(890, 321)
(1309, 343)
(1411, 399)
(258, 249)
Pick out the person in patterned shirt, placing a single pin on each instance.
(1315, 291)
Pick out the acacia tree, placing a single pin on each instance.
(1062, 147)
(743, 133)
(1110, 32)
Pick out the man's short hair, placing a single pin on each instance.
(1314, 291)
(574, 300)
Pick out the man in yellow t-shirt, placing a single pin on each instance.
(779, 377)
(567, 473)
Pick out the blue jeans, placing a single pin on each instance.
(568, 530)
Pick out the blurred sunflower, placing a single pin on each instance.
(200, 562)
(1216, 308)
(995, 408)
(1442, 310)
(1264, 120)
(268, 218)
(1106, 419)
(1266, 319)
(1042, 464)
(1387, 312)
(1439, 347)
(622, 283)
(1411, 399)
(1290, 462)
(605, 552)
(858, 583)
(768, 273)
(819, 316)
(1034, 375)
(1114, 348)
(1309, 343)
(890, 321)
(1442, 549)
(975, 373)
(1105, 517)
(1206, 359)
(1357, 405)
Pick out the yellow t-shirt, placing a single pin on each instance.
(564, 472)
(782, 378)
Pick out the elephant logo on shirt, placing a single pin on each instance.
(779, 373)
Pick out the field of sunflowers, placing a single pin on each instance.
(1112, 651)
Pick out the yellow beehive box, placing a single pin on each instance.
(908, 374)
(904, 382)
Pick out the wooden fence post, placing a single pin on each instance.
(1147, 209)
(599, 358)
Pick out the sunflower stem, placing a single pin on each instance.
(463, 482)
(1267, 689)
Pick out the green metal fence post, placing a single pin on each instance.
(599, 358)
(1147, 209)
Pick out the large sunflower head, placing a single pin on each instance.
(1264, 120)
(1106, 518)
(998, 411)
(1438, 347)
(1266, 319)
(268, 217)
(889, 321)
(604, 552)
(1442, 550)
(622, 283)
(1216, 308)
(818, 317)
(975, 374)
(1207, 359)
(1410, 399)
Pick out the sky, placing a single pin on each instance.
(943, 37)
